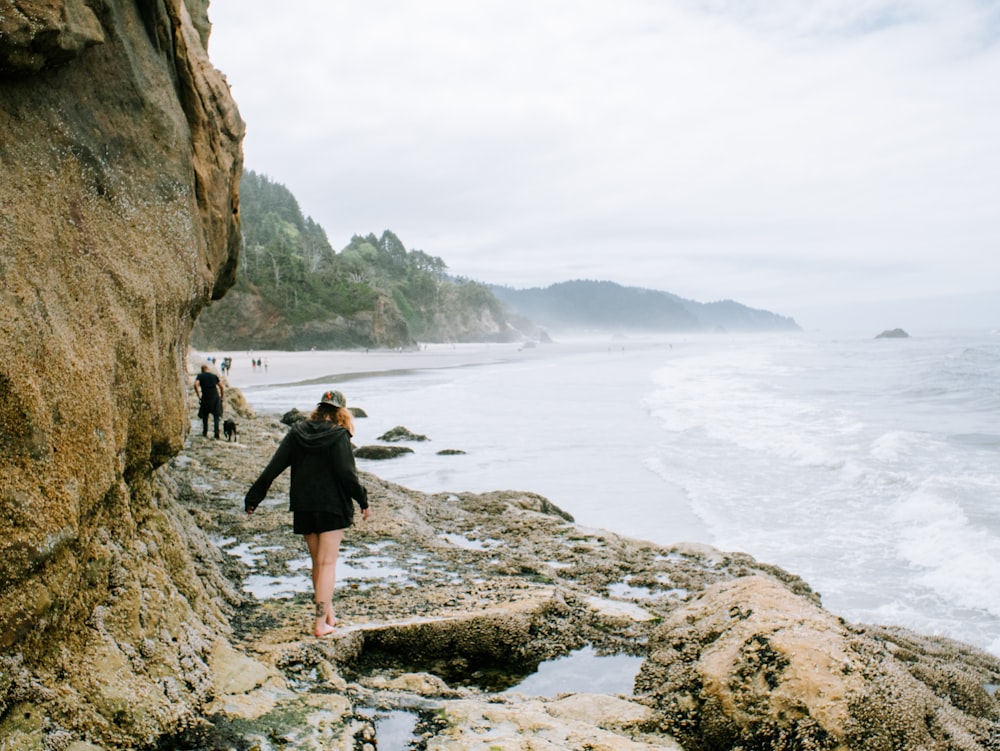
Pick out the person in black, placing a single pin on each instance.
(324, 486)
(209, 389)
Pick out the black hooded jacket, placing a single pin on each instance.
(324, 475)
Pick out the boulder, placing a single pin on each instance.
(381, 452)
(293, 416)
(576, 721)
(750, 664)
(399, 433)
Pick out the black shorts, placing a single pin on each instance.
(316, 522)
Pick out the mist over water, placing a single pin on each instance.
(871, 468)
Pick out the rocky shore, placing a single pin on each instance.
(456, 597)
(127, 567)
(446, 604)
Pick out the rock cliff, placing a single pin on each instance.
(121, 153)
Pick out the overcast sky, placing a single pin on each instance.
(793, 155)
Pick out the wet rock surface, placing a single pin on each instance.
(377, 451)
(293, 416)
(750, 664)
(400, 433)
(450, 599)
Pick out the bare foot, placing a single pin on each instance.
(331, 619)
(324, 629)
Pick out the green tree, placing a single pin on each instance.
(294, 290)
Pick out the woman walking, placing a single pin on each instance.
(324, 487)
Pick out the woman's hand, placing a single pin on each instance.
(366, 512)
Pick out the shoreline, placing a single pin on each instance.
(441, 394)
(291, 367)
(443, 588)
(299, 376)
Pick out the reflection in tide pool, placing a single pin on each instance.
(395, 729)
(623, 590)
(264, 587)
(462, 541)
(359, 567)
(601, 674)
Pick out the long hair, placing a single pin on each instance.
(338, 415)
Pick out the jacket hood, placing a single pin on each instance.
(317, 435)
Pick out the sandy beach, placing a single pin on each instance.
(283, 367)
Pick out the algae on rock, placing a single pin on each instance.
(119, 220)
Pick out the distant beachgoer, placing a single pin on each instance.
(324, 487)
(209, 389)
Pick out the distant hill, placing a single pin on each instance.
(294, 291)
(584, 304)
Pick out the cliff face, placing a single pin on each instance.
(246, 321)
(119, 220)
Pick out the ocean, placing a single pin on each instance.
(869, 467)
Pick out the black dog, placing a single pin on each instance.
(229, 428)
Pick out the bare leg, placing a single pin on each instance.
(324, 548)
(313, 543)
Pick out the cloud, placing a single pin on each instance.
(776, 152)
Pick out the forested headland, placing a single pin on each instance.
(294, 291)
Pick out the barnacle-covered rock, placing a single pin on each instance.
(121, 156)
(749, 663)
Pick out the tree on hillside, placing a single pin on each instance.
(292, 285)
